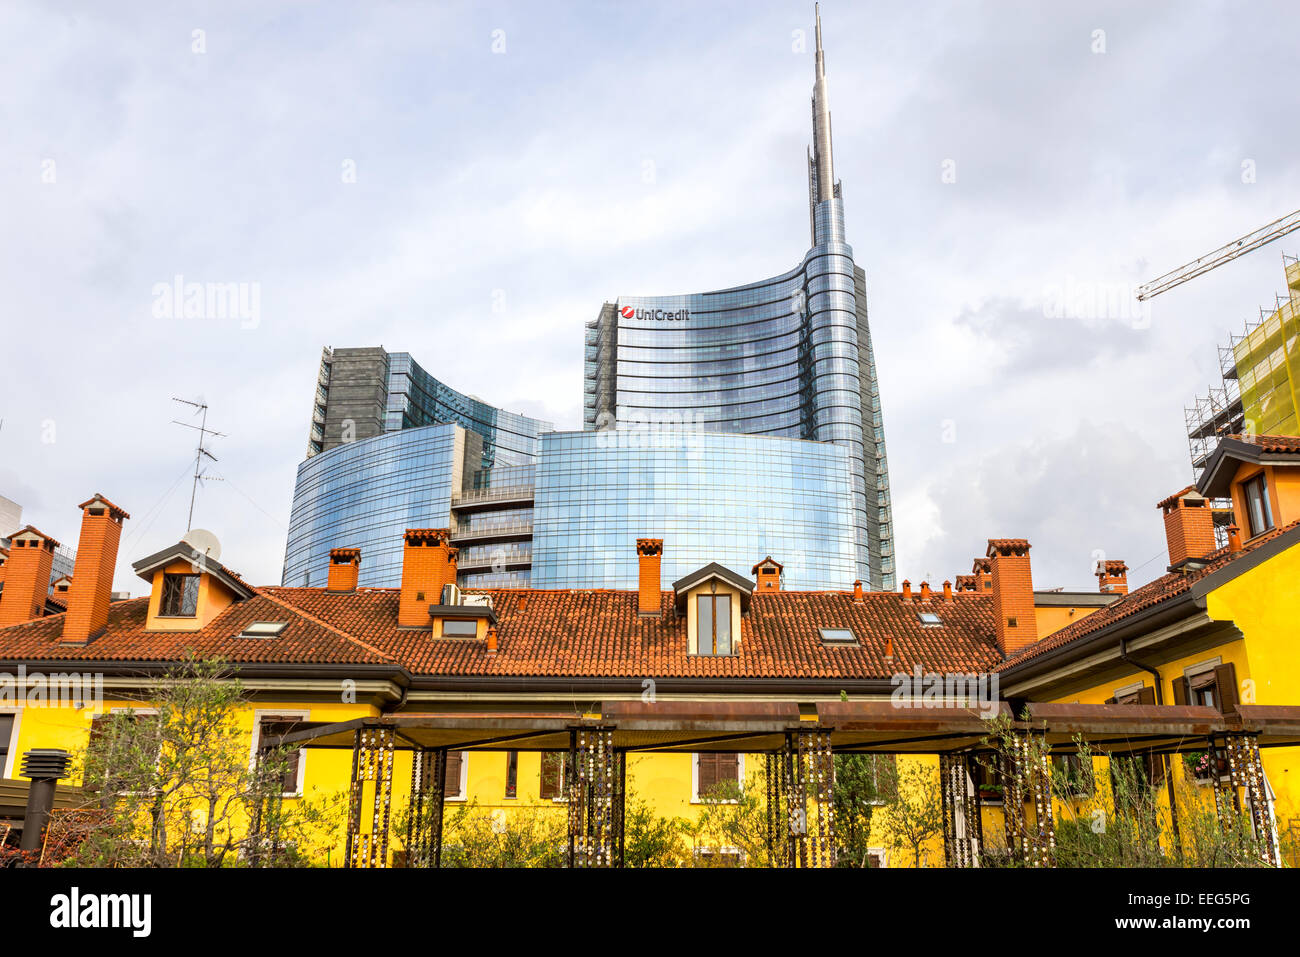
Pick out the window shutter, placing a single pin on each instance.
(707, 776)
(1225, 676)
(1146, 696)
(552, 772)
(728, 766)
(451, 784)
(1182, 693)
(1111, 701)
(274, 727)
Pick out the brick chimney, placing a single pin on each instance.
(649, 554)
(907, 590)
(1112, 577)
(857, 593)
(27, 576)
(426, 567)
(1189, 526)
(1013, 594)
(925, 591)
(92, 575)
(767, 575)
(60, 587)
(947, 591)
(982, 569)
(345, 565)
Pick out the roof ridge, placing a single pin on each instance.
(327, 626)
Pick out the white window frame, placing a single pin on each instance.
(695, 777)
(882, 853)
(1198, 669)
(293, 714)
(11, 753)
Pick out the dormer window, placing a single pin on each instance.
(714, 619)
(459, 628)
(1258, 514)
(180, 597)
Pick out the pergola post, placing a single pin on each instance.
(961, 825)
(424, 822)
(591, 783)
(797, 835)
(1245, 772)
(1029, 779)
(372, 760)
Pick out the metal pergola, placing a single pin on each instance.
(799, 744)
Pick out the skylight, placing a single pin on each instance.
(838, 636)
(929, 618)
(263, 629)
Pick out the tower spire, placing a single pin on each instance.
(823, 164)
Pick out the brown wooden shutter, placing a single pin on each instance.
(274, 727)
(707, 776)
(1111, 701)
(512, 774)
(1146, 696)
(1182, 693)
(1225, 676)
(451, 783)
(728, 766)
(552, 773)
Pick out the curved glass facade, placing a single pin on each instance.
(712, 497)
(367, 493)
(788, 356)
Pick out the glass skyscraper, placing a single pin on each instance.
(788, 356)
(712, 497)
(734, 425)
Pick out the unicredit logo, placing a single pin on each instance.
(658, 315)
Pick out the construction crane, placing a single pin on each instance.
(1248, 243)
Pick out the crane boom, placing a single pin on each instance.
(1239, 247)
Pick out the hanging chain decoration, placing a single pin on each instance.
(1246, 772)
(1029, 779)
(424, 820)
(960, 841)
(804, 771)
(591, 794)
(372, 760)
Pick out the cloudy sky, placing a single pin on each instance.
(468, 182)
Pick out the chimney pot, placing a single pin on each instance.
(947, 591)
(925, 591)
(1112, 577)
(649, 552)
(1189, 526)
(92, 575)
(345, 566)
(857, 593)
(1013, 595)
(492, 640)
(1234, 539)
(27, 576)
(426, 567)
(907, 590)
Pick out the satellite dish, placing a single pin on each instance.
(203, 542)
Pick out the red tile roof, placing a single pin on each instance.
(1271, 443)
(1153, 593)
(542, 633)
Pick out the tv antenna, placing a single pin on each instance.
(200, 452)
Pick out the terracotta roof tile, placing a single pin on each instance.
(1153, 593)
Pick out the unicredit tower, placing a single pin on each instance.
(788, 356)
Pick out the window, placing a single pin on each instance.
(1258, 513)
(552, 784)
(838, 636)
(929, 618)
(512, 774)
(1074, 773)
(263, 629)
(717, 776)
(453, 785)
(714, 635)
(6, 732)
(459, 628)
(180, 596)
(272, 726)
(1213, 685)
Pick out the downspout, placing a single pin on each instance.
(1160, 699)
